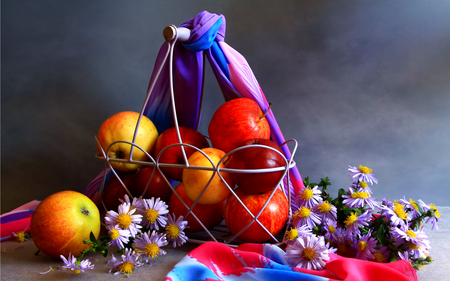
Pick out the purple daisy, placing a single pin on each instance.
(359, 200)
(72, 263)
(411, 207)
(153, 212)
(326, 211)
(309, 252)
(395, 213)
(417, 237)
(135, 203)
(381, 255)
(306, 216)
(149, 245)
(125, 218)
(308, 197)
(297, 231)
(362, 174)
(354, 222)
(365, 246)
(433, 219)
(128, 262)
(361, 186)
(175, 230)
(119, 237)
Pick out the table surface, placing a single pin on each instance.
(19, 262)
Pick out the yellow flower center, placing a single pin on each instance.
(307, 193)
(173, 231)
(114, 234)
(362, 246)
(124, 220)
(363, 184)
(362, 195)
(331, 229)
(379, 257)
(292, 234)
(351, 219)
(309, 254)
(399, 211)
(303, 212)
(436, 212)
(414, 204)
(151, 250)
(364, 170)
(411, 233)
(20, 237)
(77, 271)
(126, 267)
(151, 215)
(325, 207)
(411, 245)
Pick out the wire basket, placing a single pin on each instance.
(220, 233)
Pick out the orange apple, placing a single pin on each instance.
(174, 155)
(61, 222)
(121, 127)
(195, 180)
(209, 215)
(236, 121)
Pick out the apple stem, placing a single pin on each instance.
(267, 111)
(37, 253)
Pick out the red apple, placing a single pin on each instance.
(195, 179)
(257, 157)
(158, 187)
(236, 121)
(114, 190)
(121, 127)
(273, 217)
(174, 154)
(62, 221)
(209, 215)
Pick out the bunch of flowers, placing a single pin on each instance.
(356, 225)
(139, 229)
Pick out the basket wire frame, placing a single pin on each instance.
(219, 233)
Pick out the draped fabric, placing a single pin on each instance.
(264, 262)
(17, 220)
(232, 71)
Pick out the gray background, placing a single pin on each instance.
(354, 82)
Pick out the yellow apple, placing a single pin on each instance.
(121, 127)
(61, 222)
(195, 180)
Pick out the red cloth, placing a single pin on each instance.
(216, 261)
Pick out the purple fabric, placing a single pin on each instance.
(230, 68)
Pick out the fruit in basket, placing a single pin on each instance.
(121, 127)
(174, 154)
(273, 217)
(158, 187)
(209, 215)
(236, 121)
(195, 179)
(256, 157)
(61, 222)
(114, 190)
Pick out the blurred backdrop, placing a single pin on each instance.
(354, 82)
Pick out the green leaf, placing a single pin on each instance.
(420, 208)
(92, 237)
